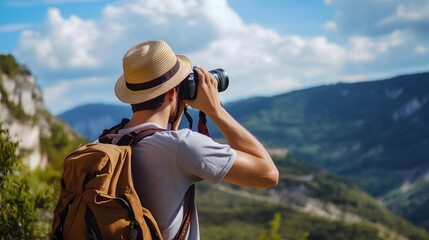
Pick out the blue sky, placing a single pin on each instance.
(75, 47)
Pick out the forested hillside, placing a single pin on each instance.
(308, 203)
(375, 134)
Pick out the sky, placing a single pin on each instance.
(75, 47)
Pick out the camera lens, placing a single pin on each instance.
(222, 79)
(188, 88)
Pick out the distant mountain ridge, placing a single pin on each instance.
(90, 120)
(375, 134)
(370, 122)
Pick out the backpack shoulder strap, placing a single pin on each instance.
(103, 138)
(127, 139)
(186, 221)
(132, 138)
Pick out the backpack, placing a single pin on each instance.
(98, 199)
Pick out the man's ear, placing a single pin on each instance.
(172, 94)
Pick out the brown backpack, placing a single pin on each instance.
(98, 199)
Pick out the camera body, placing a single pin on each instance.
(188, 88)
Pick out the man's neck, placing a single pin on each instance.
(152, 116)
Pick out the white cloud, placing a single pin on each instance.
(382, 36)
(66, 93)
(210, 32)
(61, 44)
(379, 17)
(263, 62)
(56, 91)
(408, 12)
(331, 26)
(15, 27)
(420, 49)
(392, 40)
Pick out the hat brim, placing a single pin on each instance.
(126, 95)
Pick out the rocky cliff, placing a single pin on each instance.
(24, 114)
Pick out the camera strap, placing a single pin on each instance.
(188, 117)
(202, 122)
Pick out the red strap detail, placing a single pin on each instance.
(202, 124)
(202, 128)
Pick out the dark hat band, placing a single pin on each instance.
(155, 82)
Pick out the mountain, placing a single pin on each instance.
(90, 120)
(43, 138)
(357, 130)
(375, 134)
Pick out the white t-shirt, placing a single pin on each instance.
(165, 164)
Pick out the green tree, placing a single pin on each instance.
(10, 67)
(24, 206)
(273, 233)
(7, 155)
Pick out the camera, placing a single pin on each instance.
(188, 87)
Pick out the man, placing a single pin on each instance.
(168, 162)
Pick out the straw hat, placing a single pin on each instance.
(150, 69)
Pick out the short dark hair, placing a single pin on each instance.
(149, 105)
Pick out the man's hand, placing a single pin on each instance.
(207, 96)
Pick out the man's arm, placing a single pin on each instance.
(253, 166)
